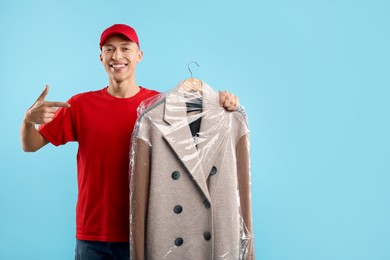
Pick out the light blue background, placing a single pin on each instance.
(313, 76)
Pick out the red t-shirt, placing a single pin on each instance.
(102, 125)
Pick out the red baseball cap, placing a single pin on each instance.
(121, 29)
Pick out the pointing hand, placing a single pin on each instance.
(42, 112)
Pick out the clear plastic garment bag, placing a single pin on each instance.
(190, 178)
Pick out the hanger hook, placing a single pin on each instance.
(189, 66)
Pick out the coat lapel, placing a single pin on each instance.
(178, 136)
(213, 130)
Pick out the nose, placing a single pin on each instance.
(117, 55)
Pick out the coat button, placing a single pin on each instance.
(207, 235)
(213, 170)
(206, 203)
(178, 241)
(178, 209)
(175, 175)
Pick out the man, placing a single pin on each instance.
(102, 123)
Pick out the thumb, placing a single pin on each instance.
(43, 94)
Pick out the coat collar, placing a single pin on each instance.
(214, 125)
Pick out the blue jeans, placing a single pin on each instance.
(96, 250)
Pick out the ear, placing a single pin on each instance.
(140, 55)
(101, 57)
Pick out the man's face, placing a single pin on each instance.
(119, 57)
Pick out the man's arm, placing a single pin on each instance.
(41, 112)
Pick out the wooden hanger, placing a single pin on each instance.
(192, 85)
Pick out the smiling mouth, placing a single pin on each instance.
(118, 66)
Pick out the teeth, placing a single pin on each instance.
(118, 66)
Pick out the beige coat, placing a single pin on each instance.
(190, 201)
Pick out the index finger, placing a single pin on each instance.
(57, 104)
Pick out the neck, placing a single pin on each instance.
(123, 89)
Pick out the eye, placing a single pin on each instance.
(126, 49)
(108, 49)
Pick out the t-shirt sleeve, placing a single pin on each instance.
(61, 129)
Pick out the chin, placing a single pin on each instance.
(119, 78)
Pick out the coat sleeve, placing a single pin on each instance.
(139, 197)
(244, 186)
